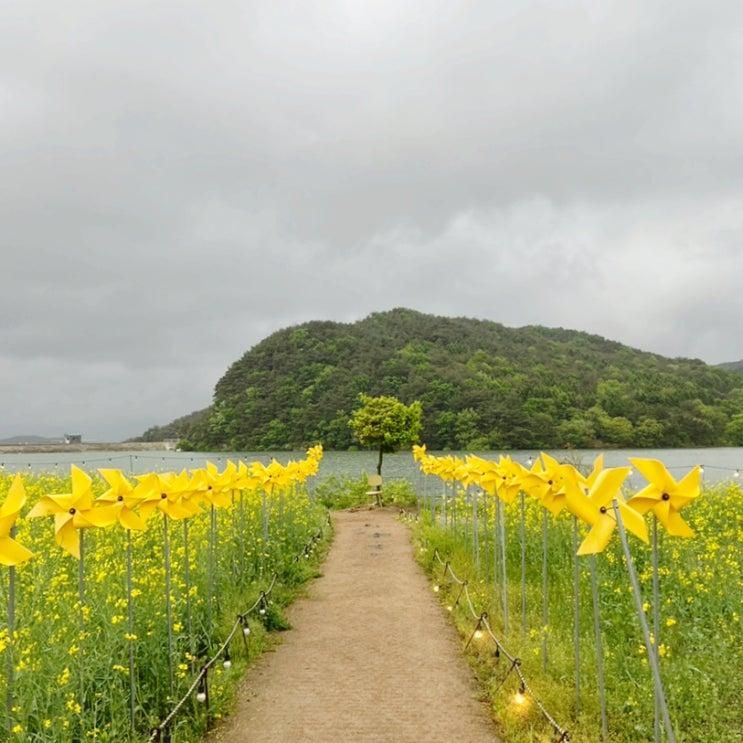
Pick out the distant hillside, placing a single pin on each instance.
(482, 385)
(40, 440)
(180, 428)
(734, 366)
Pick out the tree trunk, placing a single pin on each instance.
(379, 463)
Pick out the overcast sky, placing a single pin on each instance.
(181, 179)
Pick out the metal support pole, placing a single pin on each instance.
(576, 614)
(656, 620)
(600, 680)
(504, 566)
(522, 529)
(545, 587)
(652, 656)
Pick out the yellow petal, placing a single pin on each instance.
(598, 537)
(688, 488)
(45, 507)
(81, 482)
(580, 506)
(607, 485)
(655, 472)
(676, 526)
(15, 499)
(102, 516)
(12, 553)
(68, 539)
(130, 520)
(633, 521)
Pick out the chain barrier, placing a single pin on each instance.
(200, 685)
(481, 619)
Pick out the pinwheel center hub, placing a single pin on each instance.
(549, 482)
(602, 509)
(163, 496)
(120, 498)
(665, 496)
(72, 511)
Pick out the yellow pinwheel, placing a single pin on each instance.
(271, 478)
(74, 511)
(156, 493)
(122, 494)
(11, 552)
(547, 480)
(596, 509)
(419, 452)
(664, 496)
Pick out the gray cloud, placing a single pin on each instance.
(179, 181)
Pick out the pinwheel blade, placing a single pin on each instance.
(634, 522)
(598, 537)
(676, 526)
(12, 553)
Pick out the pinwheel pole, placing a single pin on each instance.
(81, 621)
(656, 617)
(130, 624)
(168, 605)
(599, 650)
(212, 563)
(187, 581)
(576, 613)
(501, 516)
(241, 513)
(475, 530)
(9, 659)
(522, 531)
(652, 656)
(545, 585)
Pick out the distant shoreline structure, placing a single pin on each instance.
(53, 448)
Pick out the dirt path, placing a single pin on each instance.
(371, 656)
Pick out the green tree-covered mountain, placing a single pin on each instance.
(482, 385)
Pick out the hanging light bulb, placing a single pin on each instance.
(436, 588)
(520, 696)
(201, 693)
(246, 630)
(736, 474)
(227, 662)
(478, 634)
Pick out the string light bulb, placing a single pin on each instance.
(520, 696)
(201, 697)
(227, 662)
(736, 474)
(478, 634)
(436, 588)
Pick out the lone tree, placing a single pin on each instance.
(386, 423)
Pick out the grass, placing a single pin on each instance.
(701, 653)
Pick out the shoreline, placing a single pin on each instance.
(77, 448)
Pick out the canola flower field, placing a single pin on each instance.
(119, 590)
(493, 525)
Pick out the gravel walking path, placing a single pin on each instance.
(371, 656)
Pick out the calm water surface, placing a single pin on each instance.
(719, 464)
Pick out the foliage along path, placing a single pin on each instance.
(371, 656)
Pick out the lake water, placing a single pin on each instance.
(719, 464)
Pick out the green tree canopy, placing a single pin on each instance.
(386, 424)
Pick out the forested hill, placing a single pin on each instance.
(482, 386)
